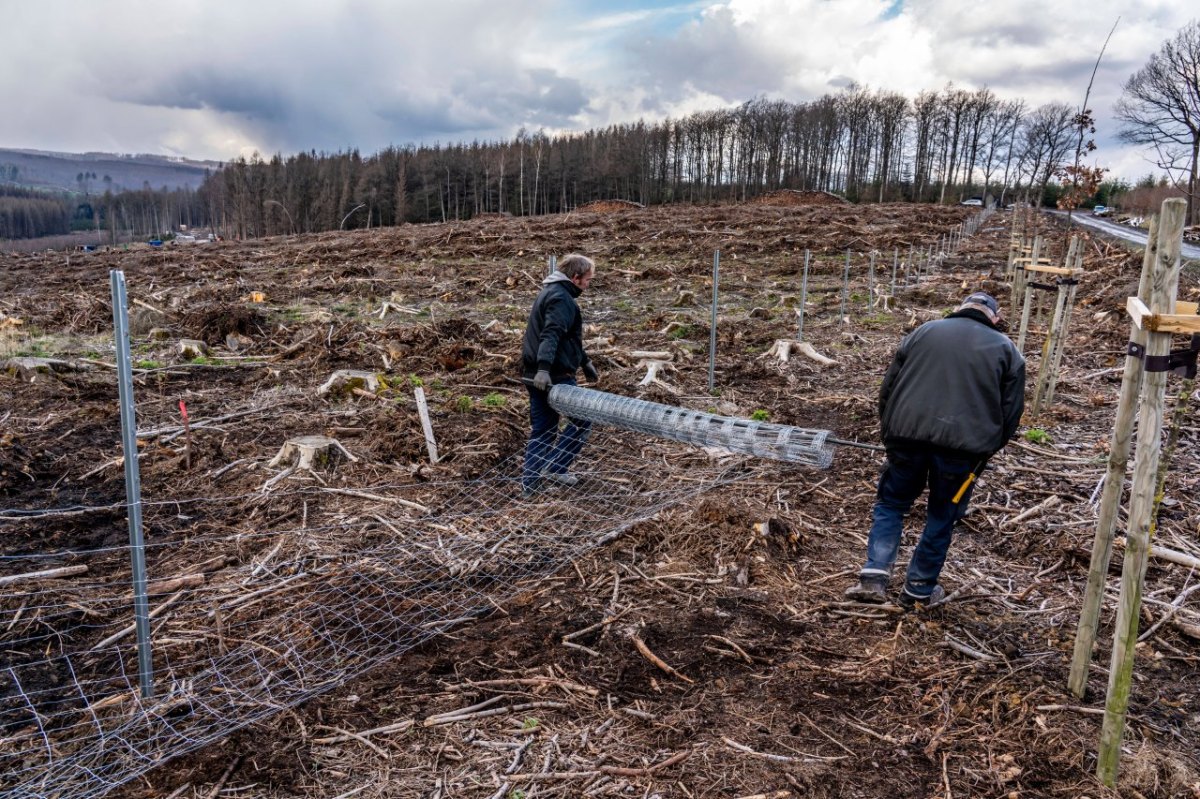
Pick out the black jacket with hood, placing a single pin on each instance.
(956, 384)
(554, 334)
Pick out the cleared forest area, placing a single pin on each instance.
(705, 650)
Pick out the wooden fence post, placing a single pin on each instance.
(1060, 325)
(1019, 276)
(1164, 284)
(1114, 486)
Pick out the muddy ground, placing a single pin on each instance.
(766, 683)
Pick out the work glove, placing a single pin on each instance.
(589, 371)
(541, 381)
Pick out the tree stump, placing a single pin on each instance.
(653, 367)
(192, 348)
(28, 368)
(310, 450)
(237, 342)
(344, 381)
(784, 347)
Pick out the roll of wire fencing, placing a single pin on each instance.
(761, 439)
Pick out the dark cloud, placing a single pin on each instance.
(209, 88)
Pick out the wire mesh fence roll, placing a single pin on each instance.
(761, 439)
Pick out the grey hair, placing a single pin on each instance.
(575, 265)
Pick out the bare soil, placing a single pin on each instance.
(779, 688)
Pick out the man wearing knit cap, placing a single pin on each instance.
(552, 353)
(952, 397)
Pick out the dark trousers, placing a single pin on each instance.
(549, 451)
(905, 476)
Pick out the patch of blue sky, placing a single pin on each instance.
(893, 10)
(650, 16)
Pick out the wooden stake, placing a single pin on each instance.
(1164, 285)
(1019, 278)
(1114, 484)
(426, 425)
(1056, 336)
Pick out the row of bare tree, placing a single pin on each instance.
(869, 146)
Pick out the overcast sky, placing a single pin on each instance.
(214, 79)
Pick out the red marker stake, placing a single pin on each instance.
(187, 435)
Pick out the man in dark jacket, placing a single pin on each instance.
(552, 353)
(952, 397)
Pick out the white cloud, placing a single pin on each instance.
(216, 78)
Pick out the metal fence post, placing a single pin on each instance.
(133, 481)
(845, 289)
(712, 332)
(803, 295)
(871, 283)
(895, 262)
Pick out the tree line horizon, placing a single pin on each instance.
(868, 146)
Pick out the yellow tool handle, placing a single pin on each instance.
(966, 484)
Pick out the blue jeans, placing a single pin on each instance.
(905, 475)
(548, 451)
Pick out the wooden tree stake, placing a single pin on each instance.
(1114, 485)
(1164, 284)
(1056, 337)
(426, 425)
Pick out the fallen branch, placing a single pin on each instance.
(45, 574)
(1046, 504)
(619, 771)
(566, 685)
(124, 631)
(657, 661)
(755, 753)
(350, 492)
(434, 721)
(1170, 555)
(602, 623)
(347, 735)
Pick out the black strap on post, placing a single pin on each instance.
(1042, 286)
(1182, 362)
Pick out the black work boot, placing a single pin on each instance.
(910, 601)
(871, 588)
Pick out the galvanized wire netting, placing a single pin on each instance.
(245, 625)
(761, 439)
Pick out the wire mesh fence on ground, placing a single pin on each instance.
(246, 625)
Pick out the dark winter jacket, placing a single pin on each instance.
(554, 333)
(956, 384)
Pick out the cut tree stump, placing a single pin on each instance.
(237, 342)
(28, 368)
(343, 381)
(192, 348)
(309, 450)
(653, 366)
(784, 347)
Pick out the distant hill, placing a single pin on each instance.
(100, 171)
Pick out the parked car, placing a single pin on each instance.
(1100, 210)
(975, 201)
